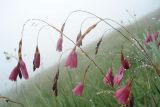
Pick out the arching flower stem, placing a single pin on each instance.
(141, 50)
(66, 38)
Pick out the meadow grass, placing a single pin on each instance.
(37, 91)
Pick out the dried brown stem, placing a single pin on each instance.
(86, 70)
(99, 42)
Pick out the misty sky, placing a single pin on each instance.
(13, 13)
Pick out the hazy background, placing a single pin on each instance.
(13, 13)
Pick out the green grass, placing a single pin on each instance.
(37, 91)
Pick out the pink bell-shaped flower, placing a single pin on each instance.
(20, 69)
(14, 73)
(148, 38)
(119, 75)
(123, 94)
(108, 79)
(59, 44)
(155, 36)
(78, 89)
(71, 61)
(23, 69)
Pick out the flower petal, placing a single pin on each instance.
(59, 44)
(122, 94)
(23, 69)
(78, 89)
(14, 73)
(119, 75)
(71, 61)
(108, 79)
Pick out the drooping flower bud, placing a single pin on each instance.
(124, 62)
(36, 61)
(59, 44)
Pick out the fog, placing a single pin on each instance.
(15, 12)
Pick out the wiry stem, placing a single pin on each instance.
(59, 61)
(99, 42)
(86, 33)
(148, 57)
(80, 30)
(56, 77)
(66, 38)
(9, 100)
(98, 18)
(24, 26)
(85, 21)
(101, 71)
(39, 33)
